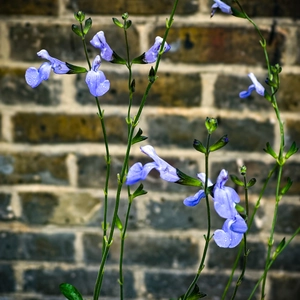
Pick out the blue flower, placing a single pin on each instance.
(222, 6)
(99, 41)
(139, 172)
(96, 80)
(231, 233)
(255, 86)
(194, 200)
(151, 55)
(34, 77)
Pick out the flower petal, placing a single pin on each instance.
(34, 77)
(245, 94)
(58, 66)
(224, 202)
(194, 200)
(258, 87)
(239, 225)
(222, 238)
(99, 41)
(138, 172)
(152, 54)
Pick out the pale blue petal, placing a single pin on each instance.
(223, 202)
(34, 77)
(138, 172)
(152, 54)
(222, 238)
(239, 225)
(58, 66)
(245, 94)
(194, 200)
(99, 41)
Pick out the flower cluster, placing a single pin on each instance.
(224, 198)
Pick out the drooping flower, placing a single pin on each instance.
(255, 86)
(139, 172)
(194, 200)
(231, 233)
(99, 42)
(35, 76)
(151, 55)
(222, 6)
(96, 80)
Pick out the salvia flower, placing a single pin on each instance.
(99, 42)
(35, 76)
(231, 233)
(255, 86)
(139, 172)
(222, 6)
(151, 55)
(96, 80)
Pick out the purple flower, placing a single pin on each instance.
(99, 41)
(139, 172)
(34, 77)
(222, 6)
(231, 233)
(96, 80)
(255, 86)
(194, 200)
(152, 54)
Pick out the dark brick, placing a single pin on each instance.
(287, 218)
(137, 7)
(166, 285)
(265, 8)
(48, 281)
(60, 128)
(7, 282)
(170, 215)
(228, 45)
(6, 213)
(291, 170)
(29, 7)
(169, 90)
(288, 93)
(292, 132)
(160, 252)
(62, 43)
(39, 247)
(14, 89)
(255, 260)
(24, 168)
(289, 259)
(284, 287)
(226, 93)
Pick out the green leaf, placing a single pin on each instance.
(70, 292)
(270, 150)
(251, 182)
(119, 223)
(293, 149)
(76, 30)
(87, 25)
(187, 180)
(278, 249)
(236, 180)
(117, 22)
(75, 69)
(138, 137)
(287, 186)
(127, 24)
(199, 146)
(139, 191)
(223, 141)
(194, 295)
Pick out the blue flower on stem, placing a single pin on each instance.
(222, 6)
(225, 199)
(139, 172)
(99, 42)
(151, 55)
(35, 76)
(96, 80)
(255, 86)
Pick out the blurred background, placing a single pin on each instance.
(52, 167)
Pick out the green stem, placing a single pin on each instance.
(134, 123)
(207, 237)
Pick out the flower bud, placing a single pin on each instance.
(79, 16)
(211, 124)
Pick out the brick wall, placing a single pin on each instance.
(52, 154)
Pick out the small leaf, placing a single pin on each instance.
(199, 146)
(75, 69)
(119, 223)
(138, 137)
(270, 150)
(139, 191)
(279, 248)
(187, 180)
(293, 149)
(87, 25)
(287, 186)
(117, 22)
(236, 180)
(240, 208)
(76, 30)
(251, 182)
(194, 295)
(127, 24)
(70, 292)
(223, 141)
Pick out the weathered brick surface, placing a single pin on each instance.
(170, 90)
(284, 287)
(14, 90)
(59, 128)
(136, 7)
(29, 7)
(25, 168)
(228, 45)
(7, 282)
(6, 213)
(36, 247)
